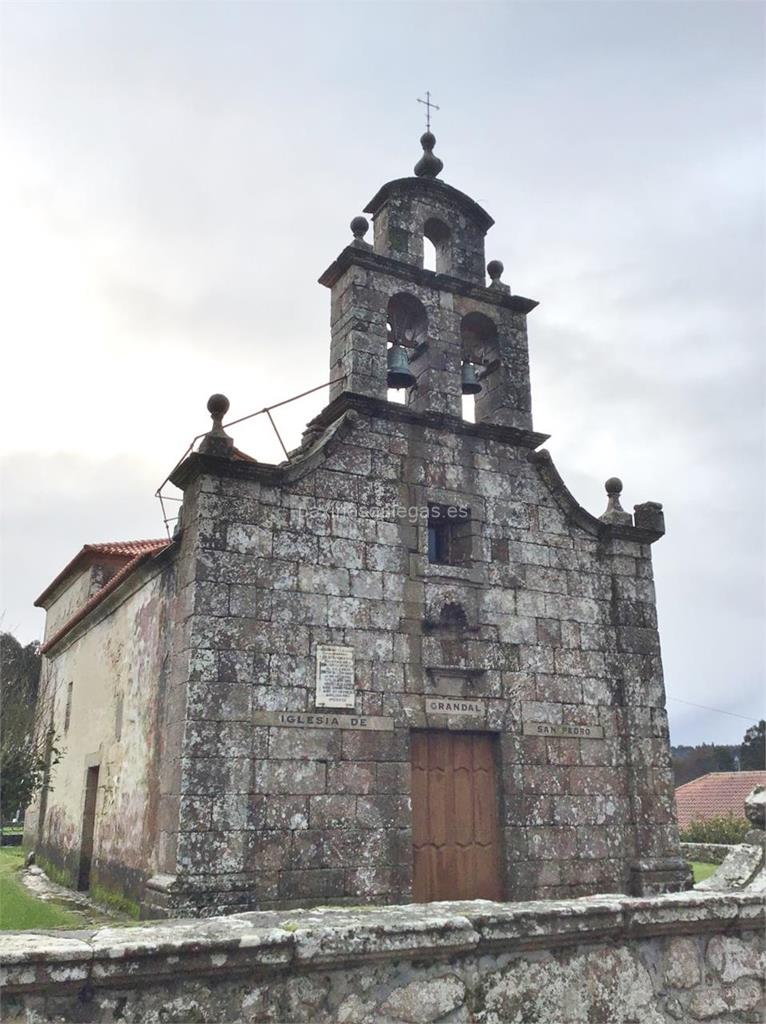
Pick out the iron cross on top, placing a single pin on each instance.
(429, 106)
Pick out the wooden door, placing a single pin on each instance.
(455, 832)
(88, 828)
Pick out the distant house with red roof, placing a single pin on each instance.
(715, 795)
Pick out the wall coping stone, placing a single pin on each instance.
(742, 866)
(262, 941)
(710, 853)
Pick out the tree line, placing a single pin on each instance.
(28, 742)
(748, 756)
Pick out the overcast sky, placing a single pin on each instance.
(176, 176)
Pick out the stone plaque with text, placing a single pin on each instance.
(320, 720)
(573, 731)
(335, 677)
(454, 706)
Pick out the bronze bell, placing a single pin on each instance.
(470, 382)
(399, 373)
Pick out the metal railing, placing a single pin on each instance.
(167, 520)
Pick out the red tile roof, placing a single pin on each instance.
(125, 549)
(716, 794)
(242, 456)
(134, 551)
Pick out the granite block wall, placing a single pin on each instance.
(550, 623)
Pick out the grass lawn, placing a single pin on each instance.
(19, 908)
(702, 870)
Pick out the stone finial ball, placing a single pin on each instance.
(495, 269)
(428, 140)
(613, 485)
(359, 227)
(218, 406)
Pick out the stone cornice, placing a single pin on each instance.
(369, 260)
(433, 187)
(265, 942)
(303, 458)
(380, 408)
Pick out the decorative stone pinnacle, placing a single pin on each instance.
(359, 228)
(495, 270)
(428, 166)
(217, 441)
(218, 406)
(615, 513)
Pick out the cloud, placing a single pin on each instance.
(176, 180)
(52, 505)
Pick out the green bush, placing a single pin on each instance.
(724, 829)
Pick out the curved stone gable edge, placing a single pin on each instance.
(342, 416)
(579, 516)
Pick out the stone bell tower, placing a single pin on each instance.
(447, 329)
(411, 666)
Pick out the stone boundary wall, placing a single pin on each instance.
(677, 958)
(708, 853)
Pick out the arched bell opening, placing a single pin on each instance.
(437, 246)
(407, 327)
(478, 340)
(394, 356)
(429, 254)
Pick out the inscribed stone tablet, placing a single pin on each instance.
(335, 677)
(566, 731)
(454, 706)
(320, 720)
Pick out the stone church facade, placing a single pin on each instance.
(404, 664)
